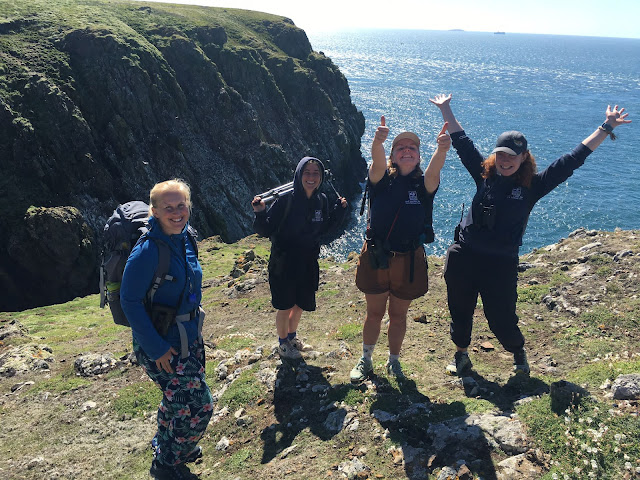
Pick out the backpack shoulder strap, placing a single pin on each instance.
(287, 209)
(192, 233)
(324, 205)
(162, 270)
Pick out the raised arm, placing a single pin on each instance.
(443, 102)
(614, 118)
(432, 173)
(379, 161)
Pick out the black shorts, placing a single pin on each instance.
(293, 280)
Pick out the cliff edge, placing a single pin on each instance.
(99, 100)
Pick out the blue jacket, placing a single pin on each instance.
(508, 203)
(308, 218)
(187, 282)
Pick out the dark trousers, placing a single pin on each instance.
(495, 278)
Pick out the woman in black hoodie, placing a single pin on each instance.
(295, 222)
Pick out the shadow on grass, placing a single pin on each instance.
(297, 408)
(423, 430)
(503, 396)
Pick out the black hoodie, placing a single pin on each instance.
(308, 218)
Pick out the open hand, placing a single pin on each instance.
(441, 100)
(616, 117)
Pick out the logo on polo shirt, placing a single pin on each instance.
(413, 198)
(516, 194)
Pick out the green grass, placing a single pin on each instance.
(587, 439)
(138, 399)
(559, 278)
(237, 460)
(532, 293)
(349, 331)
(64, 382)
(62, 324)
(594, 374)
(327, 292)
(233, 343)
(244, 391)
(600, 260)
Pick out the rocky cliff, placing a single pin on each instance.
(100, 100)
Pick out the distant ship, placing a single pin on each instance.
(498, 33)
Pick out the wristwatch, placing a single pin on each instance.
(606, 127)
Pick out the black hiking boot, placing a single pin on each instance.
(520, 363)
(461, 364)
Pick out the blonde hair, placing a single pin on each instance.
(176, 184)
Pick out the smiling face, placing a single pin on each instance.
(506, 164)
(171, 211)
(311, 178)
(406, 155)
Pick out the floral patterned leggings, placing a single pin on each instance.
(186, 406)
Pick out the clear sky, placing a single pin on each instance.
(600, 18)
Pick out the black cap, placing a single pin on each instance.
(511, 142)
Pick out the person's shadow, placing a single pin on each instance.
(504, 396)
(299, 400)
(432, 435)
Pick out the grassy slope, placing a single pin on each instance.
(111, 440)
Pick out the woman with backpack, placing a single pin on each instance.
(484, 258)
(392, 268)
(295, 223)
(167, 338)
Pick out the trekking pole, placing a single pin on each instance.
(271, 195)
(328, 176)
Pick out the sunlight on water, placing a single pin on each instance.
(544, 85)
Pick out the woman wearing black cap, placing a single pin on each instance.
(484, 258)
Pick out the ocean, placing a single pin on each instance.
(553, 88)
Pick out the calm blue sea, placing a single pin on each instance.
(554, 89)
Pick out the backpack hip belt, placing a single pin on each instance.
(187, 317)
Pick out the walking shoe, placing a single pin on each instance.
(362, 370)
(520, 363)
(195, 454)
(160, 471)
(154, 445)
(461, 363)
(297, 344)
(288, 351)
(395, 369)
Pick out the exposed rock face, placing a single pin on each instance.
(121, 96)
(54, 253)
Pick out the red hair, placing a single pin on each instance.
(523, 176)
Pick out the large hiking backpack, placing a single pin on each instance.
(128, 225)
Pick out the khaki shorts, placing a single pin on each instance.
(394, 279)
